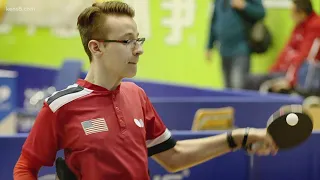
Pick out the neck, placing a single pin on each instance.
(101, 77)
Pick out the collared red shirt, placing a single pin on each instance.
(105, 134)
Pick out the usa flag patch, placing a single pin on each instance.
(94, 126)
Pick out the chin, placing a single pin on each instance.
(131, 75)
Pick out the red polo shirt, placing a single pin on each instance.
(298, 47)
(105, 134)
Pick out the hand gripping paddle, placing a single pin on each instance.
(288, 127)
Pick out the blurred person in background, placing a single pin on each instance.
(284, 72)
(229, 28)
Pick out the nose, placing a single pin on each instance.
(138, 50)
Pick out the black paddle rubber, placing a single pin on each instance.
(286, 136)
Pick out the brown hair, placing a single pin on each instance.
(91, 20)
(304, 6)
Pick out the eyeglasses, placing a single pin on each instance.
(132, 42)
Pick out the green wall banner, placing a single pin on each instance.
(176, 32)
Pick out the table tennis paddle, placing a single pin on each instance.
(289, 127)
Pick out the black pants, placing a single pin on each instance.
(235, 70)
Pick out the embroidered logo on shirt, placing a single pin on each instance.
(94, 126)
(139, 122)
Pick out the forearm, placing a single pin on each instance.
(192, 152)
(211, 36)
(23, 170)
(211, 40)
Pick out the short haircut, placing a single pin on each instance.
(91, 20)
(304, 6)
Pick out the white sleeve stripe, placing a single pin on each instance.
(160, 139)
(56, 104)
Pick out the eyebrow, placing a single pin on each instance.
(130, 34)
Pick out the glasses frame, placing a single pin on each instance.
(127, 42)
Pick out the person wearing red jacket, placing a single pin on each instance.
(295, 52)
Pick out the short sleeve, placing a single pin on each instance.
(41, 144)
(158, 137)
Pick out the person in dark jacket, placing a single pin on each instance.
(228, 27)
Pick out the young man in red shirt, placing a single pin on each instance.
(108, 128)
(295, 52)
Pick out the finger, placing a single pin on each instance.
(259, 149)
(260, 152)
(265, 151)
(272, 148)
(274, 152)
(269, 141)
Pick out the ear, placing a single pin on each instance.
(94, 47)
